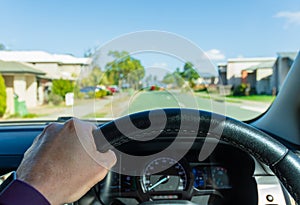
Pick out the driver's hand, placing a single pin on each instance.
(63, 163)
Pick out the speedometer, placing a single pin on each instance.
(164, 174)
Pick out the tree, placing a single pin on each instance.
(174, 78)
(2, 96)
(2, 47)
(89, 52)
(94, 78)
(61, 87)
(124, 67)
(189, 73)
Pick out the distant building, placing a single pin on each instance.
(235, 66)
(222, 69)
(282, 66)
(259, 77)
(206, 79)
(264, 75)
(21, 81)
(55, 66)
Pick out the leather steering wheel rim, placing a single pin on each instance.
(284, 163)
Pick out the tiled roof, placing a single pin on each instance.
(258, 59)
(17, 67)
(41, 57)
(268, 64)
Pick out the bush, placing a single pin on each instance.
(108, 92)
(200, 88)
(91, 94)
(101, 93)
(240, 90)
(62, 87)
(55, 99)
(2, 96)
(77, 93)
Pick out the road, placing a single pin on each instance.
(242, 110)
(123, 103)
(80, 109)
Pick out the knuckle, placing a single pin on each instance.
(70, 124)
(51, 127)
(70, 127)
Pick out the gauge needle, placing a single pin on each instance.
(160, 181)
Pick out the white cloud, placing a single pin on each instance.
(159, 65)
(292, 18)
(215, 54)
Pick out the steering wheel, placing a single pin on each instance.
(283, 162)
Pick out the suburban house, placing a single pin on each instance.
(265, 75)
(29, 74)
(222, 69)
(55, 66)
(21, 82)
(282, 66)
(258, 77)
(235, 66)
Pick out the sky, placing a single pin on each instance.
(223, 29)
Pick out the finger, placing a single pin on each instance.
(41, 135)
(107, 159)
(85, 124)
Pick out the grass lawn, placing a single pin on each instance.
(95, 115)
(258, 98)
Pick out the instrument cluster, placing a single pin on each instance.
(166, 178)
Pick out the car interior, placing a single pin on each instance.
(156, 96)
(227, 161)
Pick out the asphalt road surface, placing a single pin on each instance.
(123, 103)
(242, 110)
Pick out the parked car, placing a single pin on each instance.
(89, 89)
(113, 88)
(95, 91)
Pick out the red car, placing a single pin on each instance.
(113, 88)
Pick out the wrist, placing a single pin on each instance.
(16, 191)
(38, 183)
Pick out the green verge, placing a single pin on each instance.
(257, 98)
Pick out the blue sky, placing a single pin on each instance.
(226, 29)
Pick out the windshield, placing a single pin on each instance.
(103, 60)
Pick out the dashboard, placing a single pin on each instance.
(172, 183)
(227, 176)
(215, 179)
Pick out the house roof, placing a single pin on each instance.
(17, 67)
(264, 65)
(223, 64)
(258, 59)
(69, 59)
(41, 57)
(291, 55)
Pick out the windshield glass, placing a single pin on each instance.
(101, 60)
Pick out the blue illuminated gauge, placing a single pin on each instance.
(164, 174)
(200, 177)
(220, 178)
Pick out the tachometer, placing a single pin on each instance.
(172, 178)
(220, 178)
